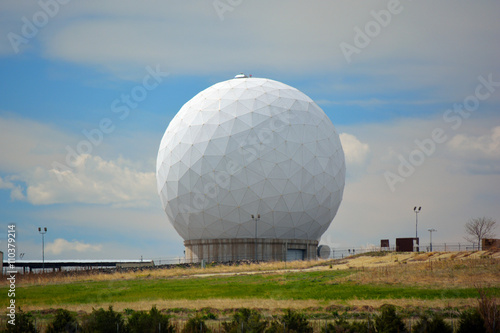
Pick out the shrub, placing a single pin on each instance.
(207, 314)
(434, 325)
(64, 321)
(24, 323)
(341, 325)
(291, 322)
(245, 320)
(362, 326)
(195, 325)
(489, 310)
(102, 321)
(389, 321)
(151, 322)
(471, 321)
(296, 322)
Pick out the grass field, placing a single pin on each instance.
(440, 280)
(292, 286)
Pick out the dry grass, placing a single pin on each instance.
(269, 305)
(429, 270)
(87, 276)
(434, 270)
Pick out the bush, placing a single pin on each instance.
(489, 310)
(362, 326)
(471, 321)
(151, 322)
(245, 320)
(64, 321)
(291, 322)
(434, 325)
(24, 323)
(389, 321)
(102, 321)
(195, 325)
(209, 316)
(341, 325)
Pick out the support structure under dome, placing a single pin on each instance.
(262, 249)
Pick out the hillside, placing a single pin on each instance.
(407, 279)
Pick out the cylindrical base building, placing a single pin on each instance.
(261, 249)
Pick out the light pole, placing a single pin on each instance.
(256, 219)
(43, 232)
(430, 233)
(416, 210)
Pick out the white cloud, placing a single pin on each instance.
(4, 184)
(370, 211)
(485, 146)
(123, 232)
(16, 192)
(32, 148)
(61, 245)
(355, 151)
(122, 37)
(356, 155)
(476, 154)
(92, 180)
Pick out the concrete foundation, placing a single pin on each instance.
(223, 250)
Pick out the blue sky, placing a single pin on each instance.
(66, 65)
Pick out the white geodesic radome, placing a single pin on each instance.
(250, 146)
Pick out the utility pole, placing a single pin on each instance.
(256, 219)
(416, 219)
(430, 233)
(43, 232)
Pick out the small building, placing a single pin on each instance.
(407, 244)
(490, 243)
(384, 244)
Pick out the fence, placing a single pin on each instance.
(338, 253)
(335, 253)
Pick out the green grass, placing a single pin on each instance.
(297, 286)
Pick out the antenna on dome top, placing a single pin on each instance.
(240, 76)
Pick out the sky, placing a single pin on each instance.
(87, 89)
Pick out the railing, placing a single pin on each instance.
(338, 253)
(335, 253)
